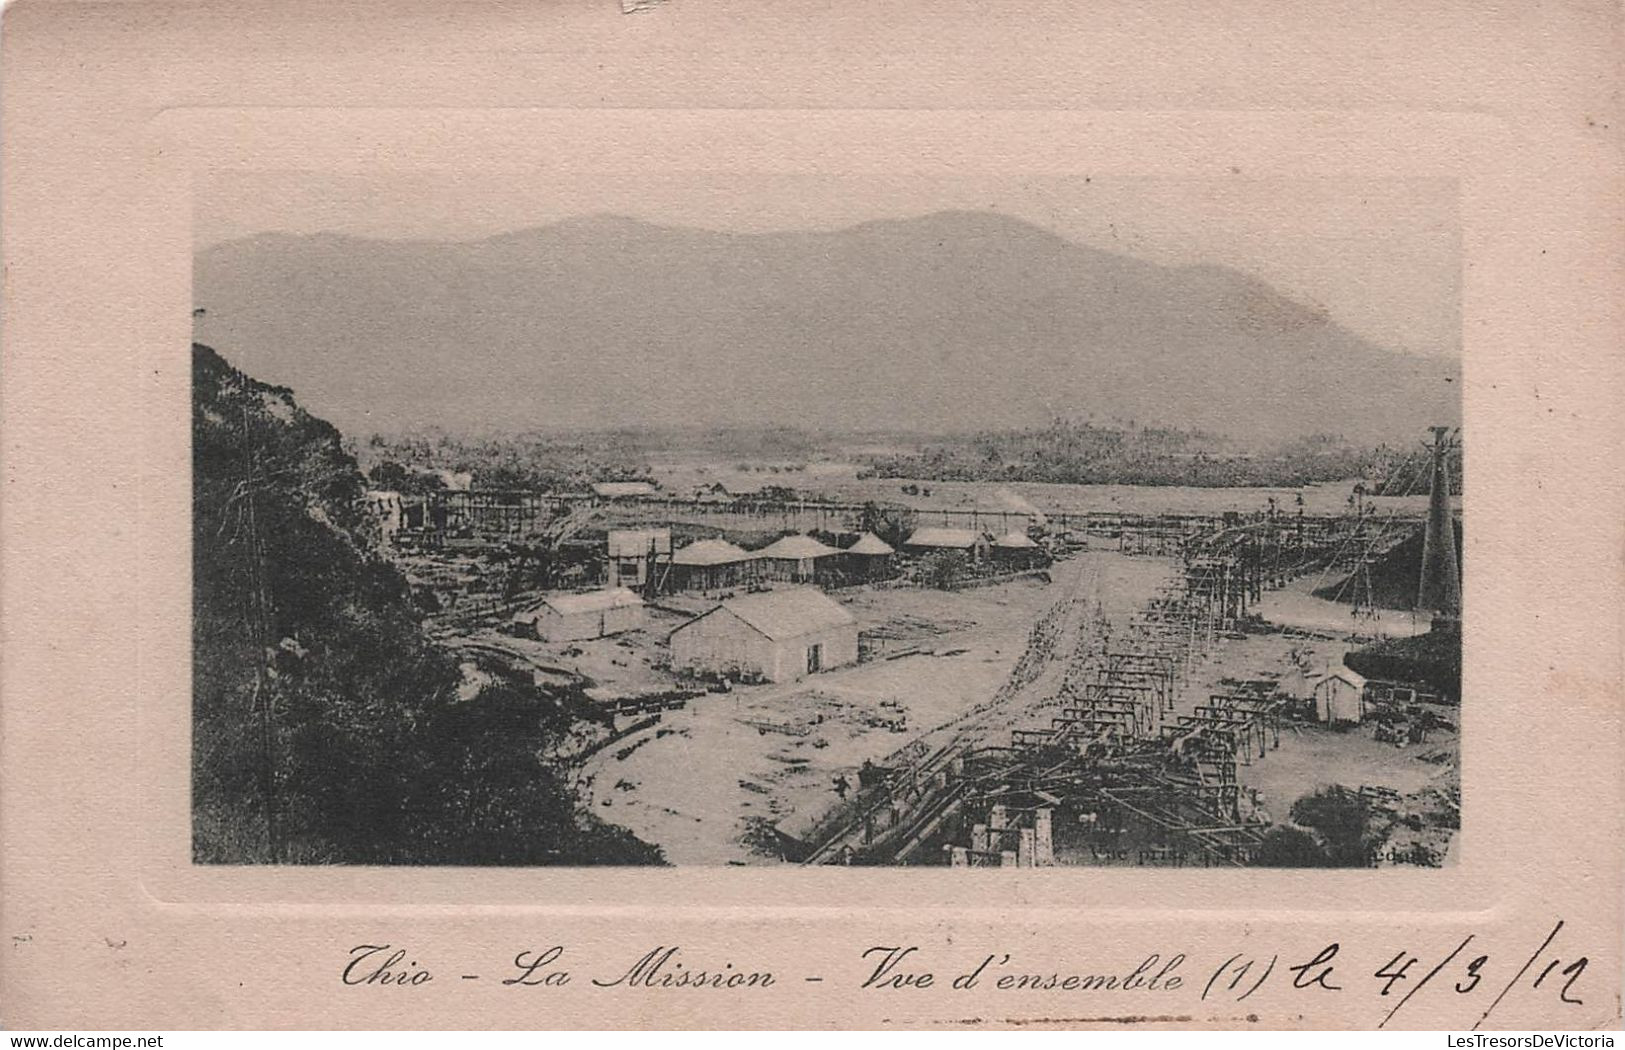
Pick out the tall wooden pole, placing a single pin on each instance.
(1440, 588)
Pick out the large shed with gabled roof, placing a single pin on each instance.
(775, 636)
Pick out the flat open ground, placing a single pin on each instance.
(1311, 755)
(708, 780)
(1294, 606)
(731, 762)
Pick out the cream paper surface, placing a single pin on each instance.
(115, 112)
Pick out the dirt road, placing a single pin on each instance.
(709, 780)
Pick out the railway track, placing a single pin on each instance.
(921, 794)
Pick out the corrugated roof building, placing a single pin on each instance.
(870, 558)
(579, 617)
(776, 636)
(708, 565)
(932, 539)
(1016, 549)
(635, 553)
(800, 559)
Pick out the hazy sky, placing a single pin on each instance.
(1383, 257)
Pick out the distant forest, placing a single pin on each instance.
(541, 462)
(554, 460)
(1086, 454)
(1063, 451)
(1082, 453)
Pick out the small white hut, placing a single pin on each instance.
(1340, 696)
(579, 617)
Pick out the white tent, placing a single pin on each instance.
(1340, 696)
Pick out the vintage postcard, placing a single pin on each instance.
(524, 544)
(760, 520)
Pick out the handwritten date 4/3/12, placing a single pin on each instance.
(1463, 970)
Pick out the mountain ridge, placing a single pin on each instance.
(937, 323)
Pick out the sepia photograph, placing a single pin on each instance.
(767, 520)
(922, 519)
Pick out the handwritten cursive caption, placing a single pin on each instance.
(1464, 971)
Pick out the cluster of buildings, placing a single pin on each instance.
(769, 636)
(1015, 549)
(778, 634)
(636, 555)
(772, 635)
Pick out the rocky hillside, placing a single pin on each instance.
(326, 727)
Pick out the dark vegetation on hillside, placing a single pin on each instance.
(1433, 659)
(373, 759)
(1085, 453)
(1331, 828)
(530, 461)
(1395, 577)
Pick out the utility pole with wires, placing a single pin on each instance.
(1373, 543)
(1439, 590)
